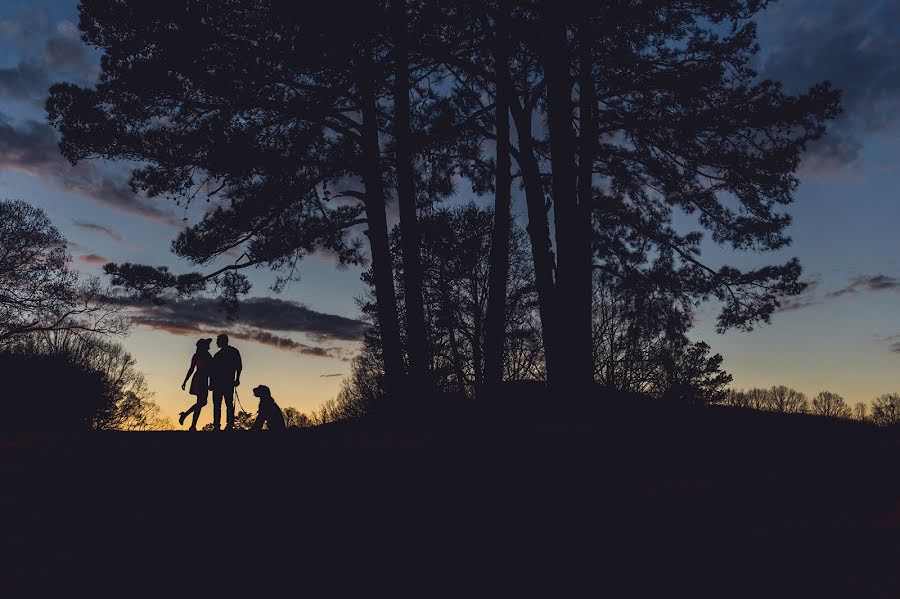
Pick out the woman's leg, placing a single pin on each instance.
(201, 401)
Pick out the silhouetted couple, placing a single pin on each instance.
(220, 374)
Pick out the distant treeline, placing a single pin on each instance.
(885, 409)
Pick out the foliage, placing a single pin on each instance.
(292, 122)
(886, 410)
(39, 292)
(104, 389)
(640, 340)
(293, 418)
(350, 403)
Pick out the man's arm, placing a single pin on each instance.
(238, 367)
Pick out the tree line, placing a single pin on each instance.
(885, 409)
(617, 123)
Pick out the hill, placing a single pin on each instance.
(612, 498)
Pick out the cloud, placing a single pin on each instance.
(25, 27)
(31, 148)
(66, 52)
(93, 259)
(791, 304)
(257, 320)
(282, 315)
(244, 333)
(892, 342)
(63, 57)
(804, 300)
(285, 343)
(326, 376)
(852, 44)
(868, 283)
(26, 80)
(94, 227)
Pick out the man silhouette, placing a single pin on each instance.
(224, 377)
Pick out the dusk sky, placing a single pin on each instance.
(842, 335)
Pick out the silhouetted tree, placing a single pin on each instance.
(829, 404)
(647, 145)
(737, 398)
(787, 400)
(860, 411)
(651, 109)
(125, 402)
(52, 393)
(294, 418)
(886, 409)
(39, 292)
(457, 263)
(273, 111)
(687, 373)
(758, 398)
(406, 196)
(635, 327)
(243, 420)
(495, 320)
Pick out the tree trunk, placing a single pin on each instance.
(562, 161)
(406, 197)
(477, 365)
(571, 196)
(583, 267)
(539, 234)
(377, 233)
(499, 258)
(450, 315)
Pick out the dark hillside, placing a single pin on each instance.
(634, 499)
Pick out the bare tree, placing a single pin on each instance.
(758, 398)
(39, 291)
(831, 405)
(860, 411)
(737, 398)
(886, 409)
(294, 418)
(787, 400)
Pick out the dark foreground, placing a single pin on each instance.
(634, 500)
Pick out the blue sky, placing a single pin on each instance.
(842, 335)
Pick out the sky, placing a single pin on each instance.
(842, 335)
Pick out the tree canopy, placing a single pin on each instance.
(624, 121)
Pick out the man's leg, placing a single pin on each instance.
(229, 407)
(217, 408)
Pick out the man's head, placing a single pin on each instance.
(262, 391)
(222, 340)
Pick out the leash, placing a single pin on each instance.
(238, 398)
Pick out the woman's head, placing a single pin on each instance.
(203, 344)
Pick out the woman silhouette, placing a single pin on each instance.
(200, 368)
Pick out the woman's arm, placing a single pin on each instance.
(190, 371)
